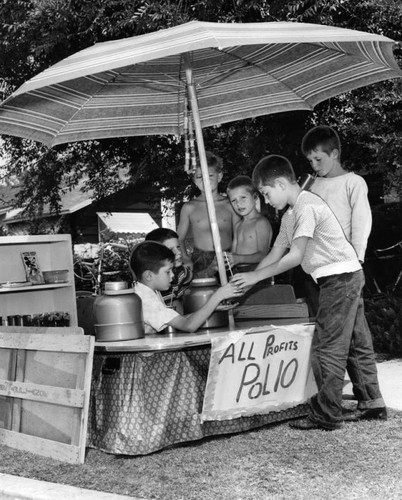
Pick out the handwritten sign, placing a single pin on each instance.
(259, 372)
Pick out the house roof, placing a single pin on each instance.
(127, 222)
(71, 201)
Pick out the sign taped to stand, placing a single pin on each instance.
(259, 372)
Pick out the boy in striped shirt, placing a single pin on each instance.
(311, 236)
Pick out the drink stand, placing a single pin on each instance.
(148, 393)
(145, 394)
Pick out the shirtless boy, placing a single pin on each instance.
(194, 222)
(253, 232)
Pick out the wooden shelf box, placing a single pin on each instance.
(53, 252)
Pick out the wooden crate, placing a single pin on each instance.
(45, 379)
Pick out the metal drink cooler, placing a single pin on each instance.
(198, 295)
(118, 314)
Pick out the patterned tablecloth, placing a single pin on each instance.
(143, 402)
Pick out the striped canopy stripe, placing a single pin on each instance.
(136, 86)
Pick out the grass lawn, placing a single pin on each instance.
(361, 461)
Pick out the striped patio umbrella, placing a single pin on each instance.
(137, 86)
(226, 72)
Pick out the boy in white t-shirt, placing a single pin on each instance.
(311, 236)
(345, 192)
(152, 265)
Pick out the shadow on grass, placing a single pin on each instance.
(362, 460)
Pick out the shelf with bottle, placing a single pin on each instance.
(9, 288)
(53, 318)
(51, 289)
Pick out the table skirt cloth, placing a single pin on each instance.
(144, 402)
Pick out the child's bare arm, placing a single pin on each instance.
(193, 321)
(269, 267)
(182, 231)
(235, 240)
(264, 235)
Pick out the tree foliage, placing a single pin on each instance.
(35, 34)
(369, 119)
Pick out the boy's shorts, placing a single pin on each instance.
(204, 263)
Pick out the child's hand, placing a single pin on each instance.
(226, 305)
(229, 291)
(245, 280)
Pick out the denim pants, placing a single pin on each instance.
(341, 340)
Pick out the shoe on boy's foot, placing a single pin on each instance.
(372, 414)
(368, 414)
(306, 425)
(349, 415)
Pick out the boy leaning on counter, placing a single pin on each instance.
(347, 196)
(311, 235)
(152, 266)
(182, 275)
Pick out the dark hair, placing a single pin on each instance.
(270, 168)
(149, 256)
(161, 234)
(213, 161)
(242, 181)
(323, 136)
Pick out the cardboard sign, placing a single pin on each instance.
(257, 372)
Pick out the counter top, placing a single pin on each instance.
(177, 341)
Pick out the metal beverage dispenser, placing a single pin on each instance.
(118, 314)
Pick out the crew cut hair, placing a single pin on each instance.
(271, 168)
(149, 256)
(243, 181)
(323, 136)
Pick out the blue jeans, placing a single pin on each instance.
(341, 340)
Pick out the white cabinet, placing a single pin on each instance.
(53, 252)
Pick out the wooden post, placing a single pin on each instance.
(205, 177)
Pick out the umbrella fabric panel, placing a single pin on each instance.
(88, 108)
(190, 37)
(140, 100)
(232, 83)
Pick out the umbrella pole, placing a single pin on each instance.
(205, 177)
